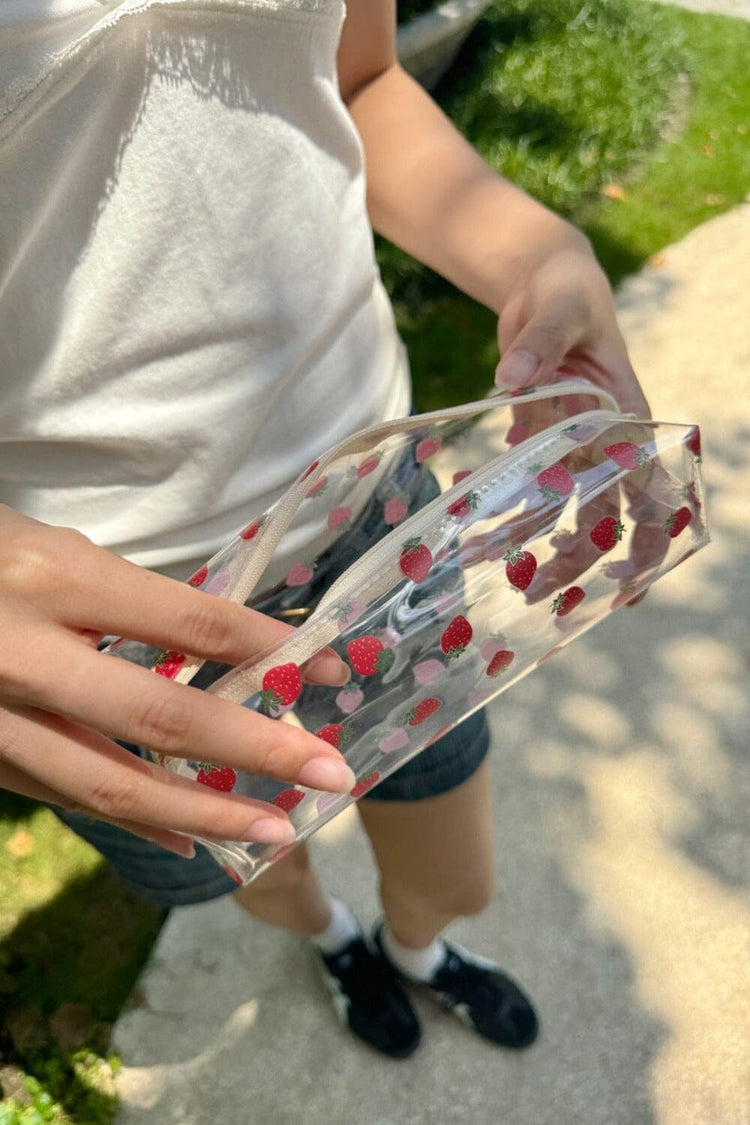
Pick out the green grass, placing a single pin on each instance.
(573, 101)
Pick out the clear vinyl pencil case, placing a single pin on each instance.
(443, 557)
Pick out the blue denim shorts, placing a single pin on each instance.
(169, 880)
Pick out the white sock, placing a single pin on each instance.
(342, 928)
(419, 964)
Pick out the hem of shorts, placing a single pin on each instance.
(434, 784)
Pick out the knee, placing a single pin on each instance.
(470, 895)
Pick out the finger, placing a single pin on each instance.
(17, 781)
(91, 773)
(540, 347)
(132, 704)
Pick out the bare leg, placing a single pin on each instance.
(288, 895)
(435, 858)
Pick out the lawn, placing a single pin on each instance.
(627, 117)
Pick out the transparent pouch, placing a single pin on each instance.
(443, 557)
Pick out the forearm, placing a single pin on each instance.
(432, 194)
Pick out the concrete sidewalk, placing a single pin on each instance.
(619, 790)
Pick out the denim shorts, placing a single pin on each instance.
(169, 880)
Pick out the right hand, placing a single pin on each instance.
(62, 702)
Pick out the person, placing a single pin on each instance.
(190, 309)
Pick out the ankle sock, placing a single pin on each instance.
(417, 964)
(342, 928)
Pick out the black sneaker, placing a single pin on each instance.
(479, 993)
(369, 999)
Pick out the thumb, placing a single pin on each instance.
(540, 347)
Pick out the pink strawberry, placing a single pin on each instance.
(462, 474)
(320, 486)
(338, 517)
(521, 567)
(455, 637)
(217, 777)
(395, 510)
(219, 582)
(555, 482)
(368, 655)
(494, 644)
(500, 661)
(677, 522)
(253, 528)
(335, 734)
(281, 685)
(415, 560)
(627, 455)
(364, 784)
(169, 664)
(369, 465)
(607, 533)
(348, 612)
(464, 506)
(349, 699)
(427, 671)
(518, 432)
(427, 447)
(580, 432)
(422, 711)
(568, 600)
(288, 799)
(299, 575)
(693, 442)
(199, 577)
(393, 741)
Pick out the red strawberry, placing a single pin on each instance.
(364, 784)
(217, 777)
(253, 528)
(368, 655)
(230, 871)
(199, 577)
(568, 600)
(693, 442)
(677, 522)
(462, 474)
(423, 711)
(520, 568)
(427, 447)
(309, 469)
(627, 455)
(456, 637)
(299, 575)
(319, 486)
(555, 482)
(607, 532)
(395, 510)
(169, 664)
(415, 560)
(281, 686)
(338, 517)
(500, 661)
(288, 799)
(464, 506)
(369, 465)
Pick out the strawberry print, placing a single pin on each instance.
(555, 482)
(299, 575)
(253, 528)
(395, 740)
(436, 737)
(217, 777)
(518, 432)
(349, 699)
(395, 511)
(568, 600)
(500, 661)
(169, 664)
(199, 577)
(338, 518)
(335, 734)
(415, 560)
(310, 469)
(422, 711)
(693, 442)
(230, 871)
(288, 799)
(316, 489)
(580, 432)
(219, 582)
(677, 522)
(364, 784)
(369, 655)
(607, 533)
(346, 613)
(426, 448)
(464, 506)
(520, 568)
(369, 466)
(494, 644)
(627, 455)
(281, 685)
(427, 671)
(460, 475)
(455, 637)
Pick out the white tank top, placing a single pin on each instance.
(190, 308)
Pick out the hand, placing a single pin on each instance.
(62, 702)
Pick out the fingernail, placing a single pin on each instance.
(185, 851)
(270, 830)
(516, 368)
(330, 668)
(327, 773)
